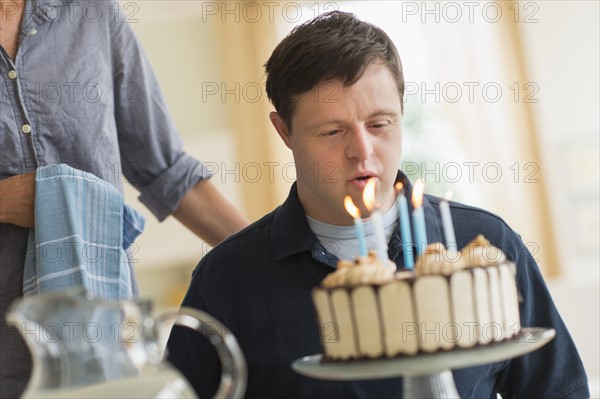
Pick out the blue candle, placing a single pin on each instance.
(360, 233)
(404, 219)
(358, 224)
(419, 217)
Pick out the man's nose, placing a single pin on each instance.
(360, 145)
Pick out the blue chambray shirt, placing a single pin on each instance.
(81, 92)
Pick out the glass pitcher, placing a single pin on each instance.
(84, 347)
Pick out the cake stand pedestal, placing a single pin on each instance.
(426, 375)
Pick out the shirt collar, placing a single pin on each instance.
(290, 231)
(291, 234)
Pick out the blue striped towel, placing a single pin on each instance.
(82, 229)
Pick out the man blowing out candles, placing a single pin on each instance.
(259, 281)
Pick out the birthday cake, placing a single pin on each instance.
(451, 300)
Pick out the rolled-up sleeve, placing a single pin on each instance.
(163, 195)
(151, 149)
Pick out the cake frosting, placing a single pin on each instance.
(364, 270)
(451, 300)
(480, 252)
(437, 260)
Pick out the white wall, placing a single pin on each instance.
(562, 50)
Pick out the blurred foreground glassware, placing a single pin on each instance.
(84, 347)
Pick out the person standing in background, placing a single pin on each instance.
(108, 117)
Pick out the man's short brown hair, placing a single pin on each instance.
(334, 45)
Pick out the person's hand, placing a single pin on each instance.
(17, 195)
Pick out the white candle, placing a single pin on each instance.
(358, 225)
(378, 231)
(380, 244)
(447, 223)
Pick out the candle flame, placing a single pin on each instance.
(417, 194)
(399, 187)
(448, 195)
(351, 208)
(369, 195)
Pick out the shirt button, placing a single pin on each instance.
(12, 74)
(33, 32)
(26, 128)
(52, 12)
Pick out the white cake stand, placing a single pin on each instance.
(426, 375)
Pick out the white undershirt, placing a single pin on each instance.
(342, 242)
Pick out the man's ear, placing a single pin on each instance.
(281, 128)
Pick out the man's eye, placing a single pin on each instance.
(331, 133)
(380, 125)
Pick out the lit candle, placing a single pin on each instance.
(419, 216)
(358, 224)
(447, 222)
(409, 261)
(378, 231)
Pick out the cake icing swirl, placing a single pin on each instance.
(364, 270)
(480, 252)
(436, 259)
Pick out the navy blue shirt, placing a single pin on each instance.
(259, 281)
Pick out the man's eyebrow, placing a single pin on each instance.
(384, 112)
